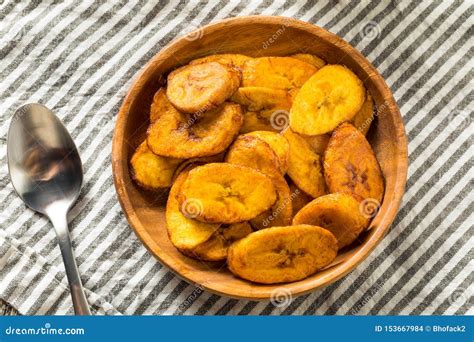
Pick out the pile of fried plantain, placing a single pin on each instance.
(265, 160)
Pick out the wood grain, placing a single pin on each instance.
(254, 36)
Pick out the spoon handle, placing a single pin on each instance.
(59, 221)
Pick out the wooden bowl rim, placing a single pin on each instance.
(296, 288)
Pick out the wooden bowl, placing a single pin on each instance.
(254, 36)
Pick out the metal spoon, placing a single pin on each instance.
(46, 172)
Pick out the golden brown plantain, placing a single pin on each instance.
(276, 72)
(339, 213)
(311, 59)
(227, 193)
(160, 105)
(279, 145)
(304, 166)
(350, 164)
(334, 94)
(257, 121)
(298, 198)
(202, 87)
(256, 99)
(282, 254)
(178, 135)
(225, 58)
(216, 247)
(280, 213)
(318, 143)
(188, 164)
(265, 109)
(150, 171)
(255, 153)
(365, 115)
(293, 92)
(185, 232)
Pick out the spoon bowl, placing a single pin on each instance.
(43, 161)
(46, 172)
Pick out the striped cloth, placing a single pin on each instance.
(79, 59)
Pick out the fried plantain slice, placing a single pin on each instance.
(216, 247)
(304, 166)
(150, 171)
(282, 254)
(334, 94)
(318, 143)
(350, 164)
(293, 92)
(188, 164)
(225, 58)
(276, 72)
(178, 135)
(255, 153)
(160, 105)
(279, 145)
(184, 231)
(311, 59)
(257, 121)
(339, 213)
(202, 87)
(265, 109)
(298, 198)
(365, 115)
(281, 212)
(227, 193)
(255, 99)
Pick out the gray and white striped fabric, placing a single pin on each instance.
(79, 58)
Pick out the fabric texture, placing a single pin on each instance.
(79, 59)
